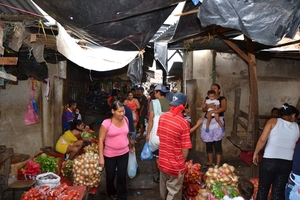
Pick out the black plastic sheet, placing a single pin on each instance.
(120, 25)
(264, 21)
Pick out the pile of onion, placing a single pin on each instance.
(86, 170)
(224, 174)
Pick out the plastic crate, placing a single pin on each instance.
(21, 176)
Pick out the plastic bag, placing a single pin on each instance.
(154, 139)
(30, 116)
(133, 116)
(146, 153)
(49, 179)
(132, 165)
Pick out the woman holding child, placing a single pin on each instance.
(214, 133)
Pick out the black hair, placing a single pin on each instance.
(161, 93)
(117, 104)
(115, 92)
(72, 103)
(211, 92)
(218, 86)
(274, 109)
(246, 188)
(74, 124)
(288, 110)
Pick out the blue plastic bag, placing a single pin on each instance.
(34, 106)
(132, 165)
(146, 153)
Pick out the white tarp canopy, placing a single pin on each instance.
(97, 58)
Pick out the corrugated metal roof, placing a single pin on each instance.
(19, 7)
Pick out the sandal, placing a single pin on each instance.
(113, 197)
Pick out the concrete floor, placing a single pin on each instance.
(143, 187)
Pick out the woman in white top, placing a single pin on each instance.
(281, 135)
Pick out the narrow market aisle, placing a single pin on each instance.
(141, 187)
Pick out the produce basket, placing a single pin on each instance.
(17, 161)
(21, 176)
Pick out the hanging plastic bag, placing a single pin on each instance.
(132, 165)
(146, 153)
(34, 106)
(30, 116)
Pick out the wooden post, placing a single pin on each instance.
(237, 102)
(253, 130)
(253, 118)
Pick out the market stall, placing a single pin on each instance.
(215, 184)
(57, 178)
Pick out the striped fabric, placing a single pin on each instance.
(174, 135)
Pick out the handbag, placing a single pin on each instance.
(132, 165)
(154, 139)
(30, 116)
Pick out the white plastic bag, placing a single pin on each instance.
(154, 139)
(132, 165)
(49, 179)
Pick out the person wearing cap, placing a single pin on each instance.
(174, 135)
(159, 93)
(170, 94)
(142, 111)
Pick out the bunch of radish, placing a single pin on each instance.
(192, 179)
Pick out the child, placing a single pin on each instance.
(245, 188)
(211, 99)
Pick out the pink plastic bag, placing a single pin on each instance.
(30, 116)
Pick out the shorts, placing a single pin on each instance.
(142, 120)
(155, 153)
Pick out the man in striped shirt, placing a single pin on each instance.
(174, 135)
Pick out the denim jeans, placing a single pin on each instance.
(292, 186)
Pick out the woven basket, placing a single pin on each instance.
(18, 161)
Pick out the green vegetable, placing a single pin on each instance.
(232, 192)
(85, 135)
(216, 190)
(47, 163)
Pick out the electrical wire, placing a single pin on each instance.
(21, 10)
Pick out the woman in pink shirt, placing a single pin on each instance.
(114, 154)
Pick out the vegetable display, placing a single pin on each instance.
(47, 163)
(86, 169)
(60, 192)
(224, 174)
(67, 169)
(192, 179)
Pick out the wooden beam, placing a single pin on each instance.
(11, 18)
(7, 76)
(236, 49)
(8, 60)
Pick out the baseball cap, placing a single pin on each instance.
(141, 88)
(178, 99)
(161, 88)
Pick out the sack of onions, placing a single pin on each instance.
(86, 170)
(224, 174)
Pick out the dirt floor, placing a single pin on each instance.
(143, 186)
